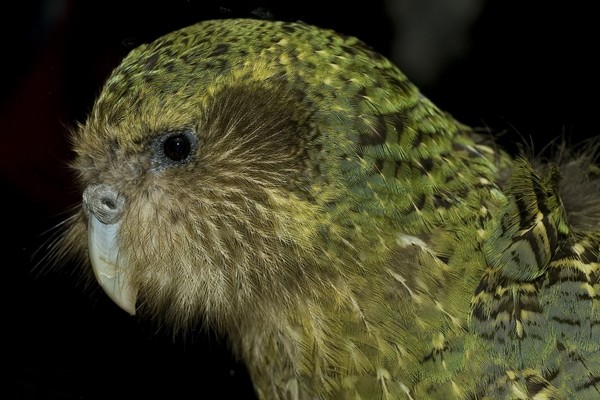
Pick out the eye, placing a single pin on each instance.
(174, 148)
(177, 147)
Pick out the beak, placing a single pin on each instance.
(108, 267)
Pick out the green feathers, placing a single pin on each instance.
(536, 306)
(351, 240)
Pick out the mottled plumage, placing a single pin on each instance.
(290, 187)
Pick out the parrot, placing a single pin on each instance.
(289, 187)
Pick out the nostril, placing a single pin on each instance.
(104, 202)
(109, 203)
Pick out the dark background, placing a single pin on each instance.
(524, 71)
